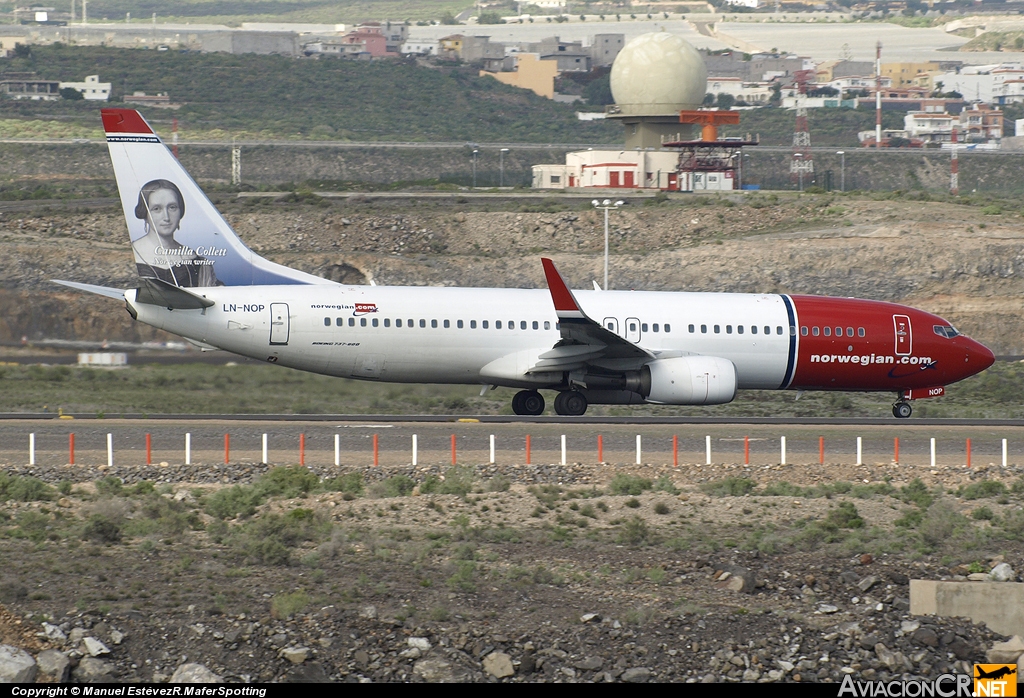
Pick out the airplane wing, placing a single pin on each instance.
(583, 340)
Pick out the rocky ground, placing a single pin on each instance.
(961, 261)
(542, 573)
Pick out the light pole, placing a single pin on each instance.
(606, 206)
(800, 168)
(842, 169)
(475, 151)
(501, 160)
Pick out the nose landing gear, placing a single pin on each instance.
(901, 409)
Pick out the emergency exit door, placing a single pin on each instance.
(279, 323)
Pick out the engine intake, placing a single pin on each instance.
(689, 380)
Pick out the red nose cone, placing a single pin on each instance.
(980, 356)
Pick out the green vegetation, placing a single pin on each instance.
(457, 480)
(983, 489)
(729, 487)
(23, 489)
(242, 389)
(275, 97)
(628, 484)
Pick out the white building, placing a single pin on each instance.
(745, 3)
(992, 84)
(627, 169)
(92, 88)
(929, 127)
(749, 92)
(419, 48)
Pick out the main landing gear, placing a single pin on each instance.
(901, 409)
(570, 403)
(528, 402)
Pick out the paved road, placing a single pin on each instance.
(394, 440)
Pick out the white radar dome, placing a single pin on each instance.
(658, 74)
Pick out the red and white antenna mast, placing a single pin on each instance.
(878, 95)
(802, 161)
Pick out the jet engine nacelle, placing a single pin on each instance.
(689, 380)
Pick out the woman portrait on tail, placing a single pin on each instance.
(158, 254)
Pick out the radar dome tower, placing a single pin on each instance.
(654, 77)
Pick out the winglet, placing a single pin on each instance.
(565, 303)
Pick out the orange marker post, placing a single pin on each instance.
(227, 448)
(896, 450)
(675, 450)
(453, 449)
(527, 449)
(821, 450)
(746, 450)
(600, 449)
(968, 453)
(71, 448)
(376, 452)
(302, 449)
(149, 450)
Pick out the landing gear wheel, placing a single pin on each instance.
(901, 410)
(570, 403)
(528, 403)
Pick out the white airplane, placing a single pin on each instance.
(198, 280)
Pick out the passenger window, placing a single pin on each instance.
(536, 325)
(459, 324)
(362, 322)
(703, 329)
(717, 329)
(792, 330)
(447, 324)
(375, 322)
(398, 323)
(739, 329)
(522, 324)
(803, 330)
(643, 326)
(839, 332)
(814, 331)
(423, 323)
(433, 323)
(472, 324)
(511, 324)
(387, 322)
(691, 329)
(339, 322)
(483, 324)
(828, 331)
(668, 327)
(728, 329)
(351, 322)
(632, 327)
(411, 323)
(778, 329)
(547, 324)
(753, 329)
(327, 322)
(654, 327)
(860, 331)
(767, 329)
(849, 331)
(497, 324)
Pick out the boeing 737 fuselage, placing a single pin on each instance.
(199, 281)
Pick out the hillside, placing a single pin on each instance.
(277, 97)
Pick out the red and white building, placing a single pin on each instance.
(628, 169)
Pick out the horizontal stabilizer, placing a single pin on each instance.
(115, 293)
(157, 292)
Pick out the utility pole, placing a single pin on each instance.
(236, 163)
(878, 95)
(606, 206)
(475, 151)
(954, 167)
(842, 169)
(501, 160)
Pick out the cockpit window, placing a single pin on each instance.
(946, 331)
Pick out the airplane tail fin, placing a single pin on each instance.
(178, 236)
